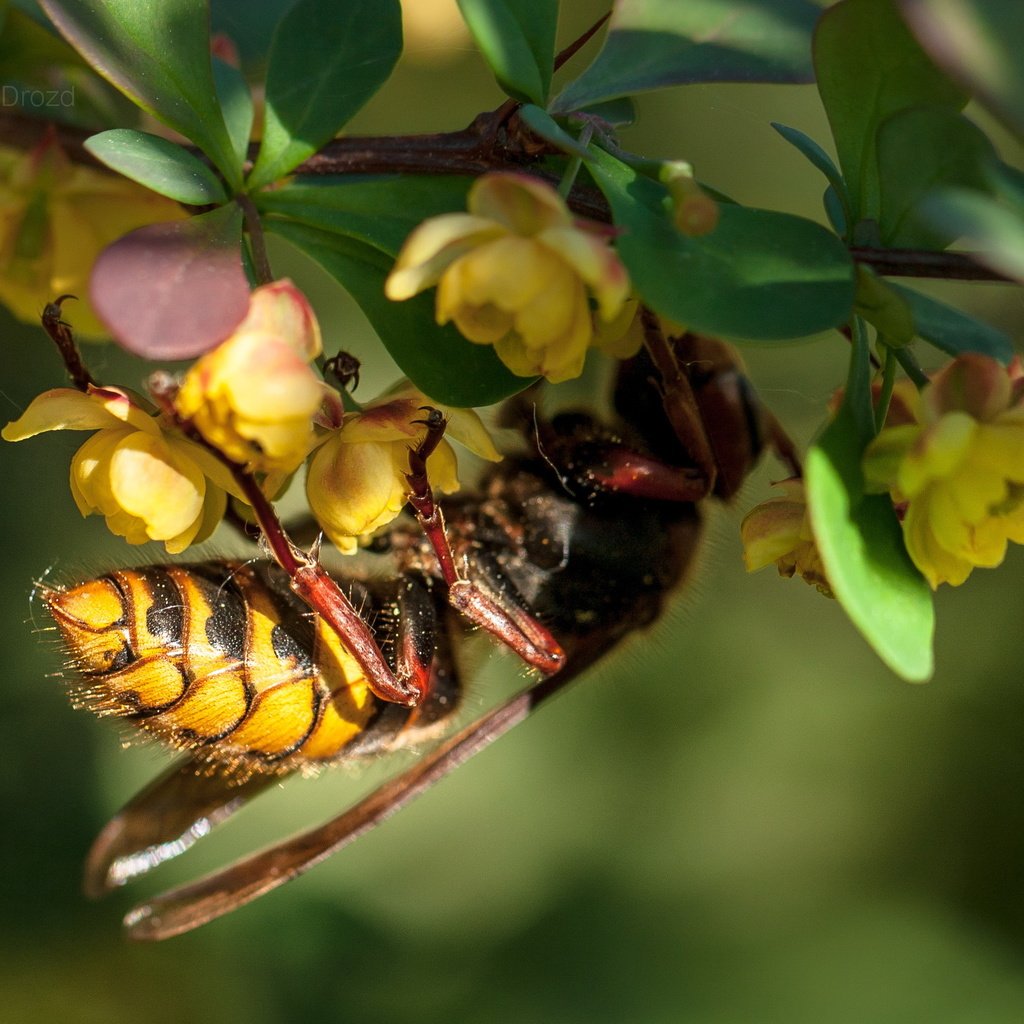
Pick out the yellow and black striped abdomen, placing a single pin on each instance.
(220, 658)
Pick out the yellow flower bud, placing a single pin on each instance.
(516, 272)
(779, 530)
(356, 479)
(148, 483)
(958, 472)
(55, 219)
(255, 396)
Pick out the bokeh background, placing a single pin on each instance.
(742, 817)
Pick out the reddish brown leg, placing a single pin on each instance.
(510, 624)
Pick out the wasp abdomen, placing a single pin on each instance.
(218, 656)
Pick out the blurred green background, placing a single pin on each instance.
(741, 817)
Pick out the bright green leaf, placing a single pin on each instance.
(869, 67)
(920, 149)
(951, 330)
(158, 54)
(760, 275)
(655, 43)
(162, 166)
(327, 59)
(517, 39)
(979, 43)
(378, 211)
(860, 540)
(236, 105)
(438, 360)
(541, 123)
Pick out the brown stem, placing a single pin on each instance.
(577, 44)
(257, 241)
(497, 141)
(60, 331)
(958, 266)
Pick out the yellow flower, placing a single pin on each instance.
(55, 219)
(958, 473)
(255, 396)
(356, 480)
(779, 530)
(515, 272)
(149, 484)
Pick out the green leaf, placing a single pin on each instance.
(162, 166)
(517, 39)
(820, 159)
(29, 51)
(860, 540)
(869, 67)
(951, 330)
(378, 211)
(158, 54)
(541, 123)
(438, 360)
(655, 43)
(835, 211)
(920, 149)
(236, 105)
(978, 42)
(327, 59)
(619, 112)
(994, 231)
(760, 275)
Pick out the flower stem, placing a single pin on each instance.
(888, 380)
(911, 367)
(60, 331)
(257, 240)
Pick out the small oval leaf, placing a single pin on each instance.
(327, 59)
(760, 275)
(162, 166)
(158, 54)
(173, 290)
(860, 540)
(655, 43)
(951, 330)
(517, 39)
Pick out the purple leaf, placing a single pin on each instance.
(173, 290)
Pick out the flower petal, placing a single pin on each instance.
(524, 205)
(59, 409)
(596, 262)
(148, 482)
(432, 247)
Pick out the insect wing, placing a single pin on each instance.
(165, 819)
(179, 910)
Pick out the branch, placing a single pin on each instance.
(498, 141)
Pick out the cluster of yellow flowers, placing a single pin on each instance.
(516, 271)
(951, 457)
(256, 399)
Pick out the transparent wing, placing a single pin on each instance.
(189, 906)
(175, 810)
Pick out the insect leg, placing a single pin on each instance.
(512, 625)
